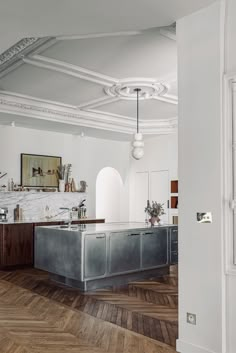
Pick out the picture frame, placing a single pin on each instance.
(39, 170)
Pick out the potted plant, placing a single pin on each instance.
(154, 211)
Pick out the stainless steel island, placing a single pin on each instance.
(99, 255)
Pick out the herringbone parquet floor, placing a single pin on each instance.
(148, 308)
(30, 323)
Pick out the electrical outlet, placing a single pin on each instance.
(191, 319)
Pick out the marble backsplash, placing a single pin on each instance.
(40, 206)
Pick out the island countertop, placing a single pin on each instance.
(110, 227)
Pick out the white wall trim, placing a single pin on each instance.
(183, 346)
(230, 267)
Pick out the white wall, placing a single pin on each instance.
(200, 248)
(87, 155)
(161, 153)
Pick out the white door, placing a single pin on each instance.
(141, 195)
(159, 190)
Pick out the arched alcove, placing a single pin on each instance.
(109, 189)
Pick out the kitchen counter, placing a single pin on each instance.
(98, 255)
(51, 220)
(17, 239)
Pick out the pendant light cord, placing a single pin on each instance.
(137, 110)
(137, 90)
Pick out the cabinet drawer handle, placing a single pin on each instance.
(174, 230)
(100, 237)
(174, 241)
(133, 234)
(148, 233)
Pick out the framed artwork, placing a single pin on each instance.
(39, 170)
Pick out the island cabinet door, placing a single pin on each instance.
(95, 255)
(155, 248)
(124, 252)
(173, 241)
(17, 244)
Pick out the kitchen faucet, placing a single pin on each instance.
(69, 222)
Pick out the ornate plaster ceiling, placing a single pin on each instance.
(89, 81)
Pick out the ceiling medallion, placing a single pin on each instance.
(126, 89)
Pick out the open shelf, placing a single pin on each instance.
(174, 187)
(174, 202)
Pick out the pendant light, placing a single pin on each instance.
(138, 144)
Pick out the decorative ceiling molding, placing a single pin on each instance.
(98, 102)
(113, 87)
(69, 69)
(16, 49)
(34, 108)
(98, 35)
(167, 99)
(13, 56)
(28, 50)
(125, 89)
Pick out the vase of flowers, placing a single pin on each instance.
(154, 211)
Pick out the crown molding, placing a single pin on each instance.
(12, 57)
(11, 103)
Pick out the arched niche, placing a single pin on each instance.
(109, 189)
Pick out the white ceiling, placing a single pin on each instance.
(61, 86)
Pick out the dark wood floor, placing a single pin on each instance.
(145, 308)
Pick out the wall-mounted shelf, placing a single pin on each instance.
(174, 199)
(174, 189)
(174, 202)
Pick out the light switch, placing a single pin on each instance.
(204, 217)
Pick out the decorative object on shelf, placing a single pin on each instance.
(138, 143)
(154, 211)
(18, 213)
(64, 177)
(39, 170)
(83, 186)
(61, 185)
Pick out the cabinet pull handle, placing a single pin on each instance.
(175, 231)
(175, 241)
(133, 234)
(148, 233)
(100, 237)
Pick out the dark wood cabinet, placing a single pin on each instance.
(17, 242)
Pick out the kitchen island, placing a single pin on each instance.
(98, 255)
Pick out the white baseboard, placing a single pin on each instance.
(185, 347)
